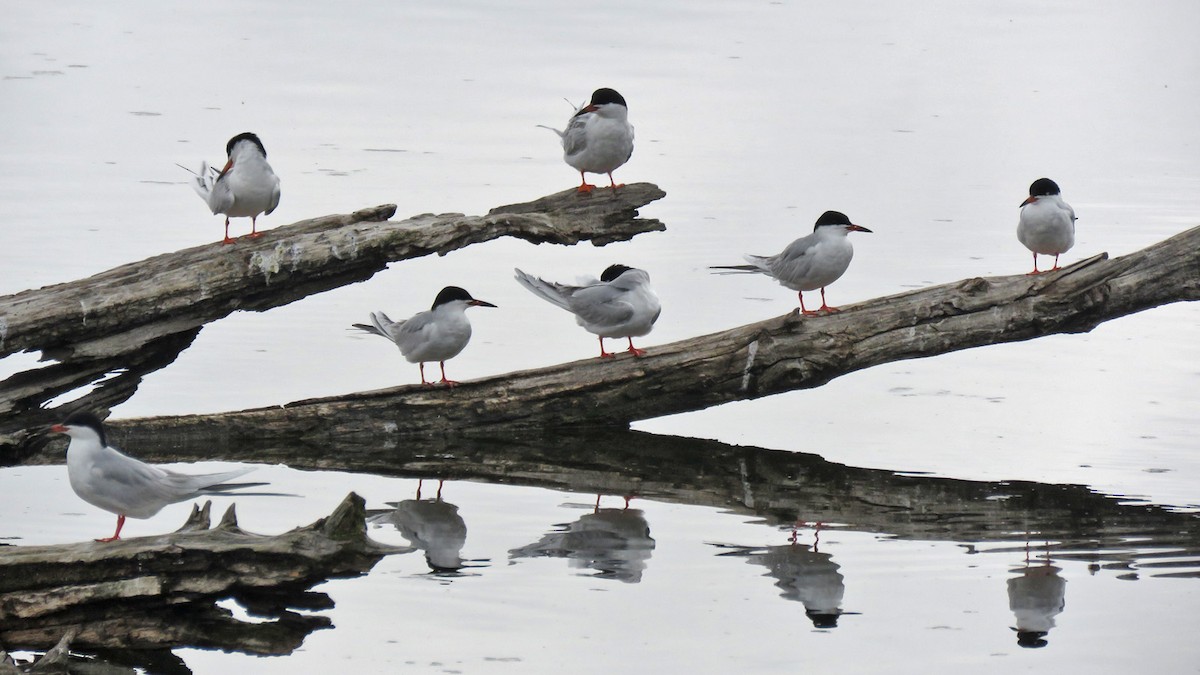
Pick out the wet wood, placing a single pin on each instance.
(137, 318)
(778, 355)
(775, 486)
(158, 592)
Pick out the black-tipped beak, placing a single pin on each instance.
(58, 428)
(480, 303)
(857, 228)
(1029, 200)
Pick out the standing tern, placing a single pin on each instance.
(599, 137)
(809, 263)
(1047, 224)
(436, 335)
(103, 476)
(245, 188)
(620, 304)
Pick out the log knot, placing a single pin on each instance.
(974, 286)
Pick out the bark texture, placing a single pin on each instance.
(778, 355)
(150, 593)
(119, 325)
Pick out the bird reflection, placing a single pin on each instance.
(805, 575)
(614, 542)
(1035, 597)
(431, 525)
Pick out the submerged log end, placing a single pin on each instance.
(229, 521)
(199, 520)
(348, 521)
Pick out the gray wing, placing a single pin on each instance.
(275, 192)
(574, 139)
(220, 199)
(794, 262)
(140, 490)
(410, 334)
(601, 304)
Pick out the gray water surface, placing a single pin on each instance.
(1051, 483)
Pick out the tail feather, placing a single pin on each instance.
(545, 290)
(557, 131)
(204, 482)
(202, 182)
(735, 269)
(380, 324)
(222, 488)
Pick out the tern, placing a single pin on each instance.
(436, 335)
(245, 188)
(1047, 224)
(620, 304)
(809, 263)
(598, 138)
(105, 477)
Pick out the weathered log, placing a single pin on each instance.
(770, 357)
(160, 592)
(775, 486)
(133, 319)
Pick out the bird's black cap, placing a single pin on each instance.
(832, 218)
(86, 419)
(822, 619)
(1043, 187)
(247, 136)
(1032, 639)
(614, 271)
(452, 293)
(606, 95)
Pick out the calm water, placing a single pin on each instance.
(925, 122)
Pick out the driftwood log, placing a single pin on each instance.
(134, 319)
(154, 593)
(761, 359)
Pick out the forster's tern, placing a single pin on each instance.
(1047, 224)
(810, 262)
(599, 137)
(620, 304)
(102, 476)
(246, 186)
(436, 335)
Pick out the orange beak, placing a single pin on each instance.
(59, 429)
(1029, 200)
(228, 166)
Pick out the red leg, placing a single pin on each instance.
(420, 482)
(425, 382)
(117, 534)
(583, 184)
(439, 491)
(613, 182)
(802, 309)
(227, 240)
(825, 307)
(596, 509)
(448, 383)
(1055, 263)
(634, 350)
(604, 354)
(254, 233)
(1035, 269)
